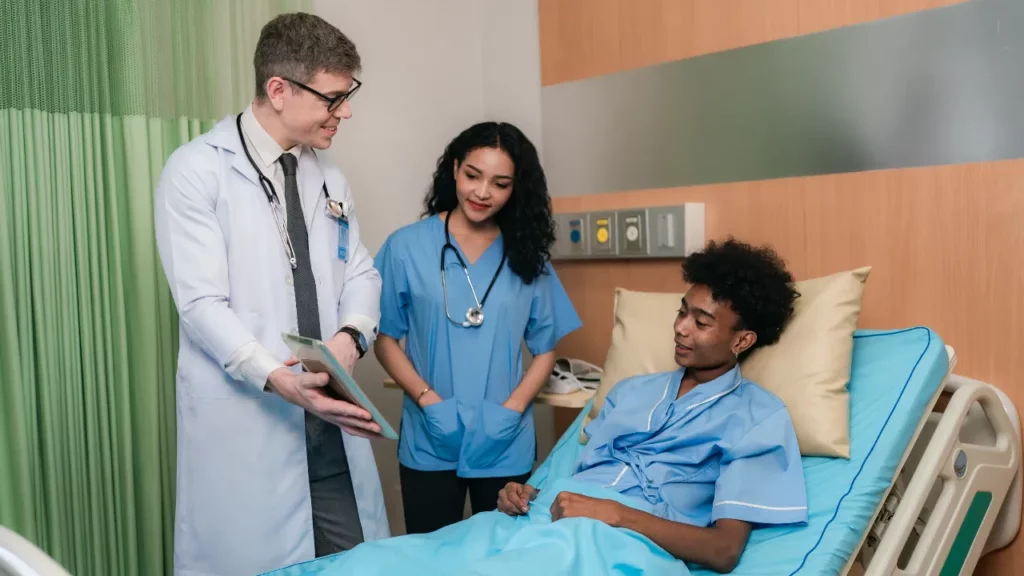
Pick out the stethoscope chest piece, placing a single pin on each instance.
(474, 317)
(335, 209)
(475, 314)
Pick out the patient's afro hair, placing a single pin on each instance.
(752, 280)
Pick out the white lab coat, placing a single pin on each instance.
(242, 504)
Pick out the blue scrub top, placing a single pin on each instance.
(474, 370)
(725, 449)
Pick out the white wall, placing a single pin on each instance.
(511, 64)
(431, 69)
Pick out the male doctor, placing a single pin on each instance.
(258, 236)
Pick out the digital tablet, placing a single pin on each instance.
(315, 357)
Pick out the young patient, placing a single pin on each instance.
(707, 452)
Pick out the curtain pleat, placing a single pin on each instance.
(96, 96)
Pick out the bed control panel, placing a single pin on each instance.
(659, 232)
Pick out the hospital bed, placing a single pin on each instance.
(924, 492)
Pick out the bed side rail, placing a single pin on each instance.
(976, 479)
(19, 557)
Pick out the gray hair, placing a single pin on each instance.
(298, 46)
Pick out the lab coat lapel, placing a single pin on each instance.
(225, 136)
(311, 186)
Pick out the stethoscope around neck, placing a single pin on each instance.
(475, 314)
(334, 209)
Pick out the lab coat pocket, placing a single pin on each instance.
(497, 429)
(444, 431)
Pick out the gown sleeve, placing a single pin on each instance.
(761, 479)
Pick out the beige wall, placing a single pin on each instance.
(431, 69)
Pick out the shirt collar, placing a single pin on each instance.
(710, 391)
(267, 149)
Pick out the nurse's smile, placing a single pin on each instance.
(477, 206)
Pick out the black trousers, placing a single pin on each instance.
(433, 500)
(336, 526)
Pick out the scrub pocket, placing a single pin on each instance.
(496, 431)
(444, 432)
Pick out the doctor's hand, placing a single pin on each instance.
(514, 499)
(306, 389)
(344, 350)
(569, 505)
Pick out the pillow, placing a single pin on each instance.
(808, 368)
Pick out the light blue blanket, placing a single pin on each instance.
(494, 544)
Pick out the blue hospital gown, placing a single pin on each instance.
(473, 369)
(725, 449)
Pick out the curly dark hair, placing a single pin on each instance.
(525, 221)
(753, 280)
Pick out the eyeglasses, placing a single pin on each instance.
(332, 103)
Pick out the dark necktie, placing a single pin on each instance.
(324, 448)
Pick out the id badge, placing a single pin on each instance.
(343, 239)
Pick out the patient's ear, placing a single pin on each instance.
(743, 341)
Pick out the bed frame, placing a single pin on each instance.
(957, 492)
(19, 557)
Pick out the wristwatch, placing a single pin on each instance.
(358, 337)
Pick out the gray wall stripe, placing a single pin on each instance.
(943, 86)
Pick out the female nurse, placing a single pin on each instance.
(465, 287)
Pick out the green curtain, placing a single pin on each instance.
(95, 97)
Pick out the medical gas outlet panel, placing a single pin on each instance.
(662, 232)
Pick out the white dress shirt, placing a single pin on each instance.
(251, 361)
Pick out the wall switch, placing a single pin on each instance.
(578, 239)
(602, 238)
(676, 231)
(632, 227)
(571, 237)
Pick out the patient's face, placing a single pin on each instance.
(706, 335)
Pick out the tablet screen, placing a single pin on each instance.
(315, 357)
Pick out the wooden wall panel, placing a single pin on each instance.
(583, 38)
(946, 245)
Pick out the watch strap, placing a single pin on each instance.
(357, 337)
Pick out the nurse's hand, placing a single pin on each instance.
(569, 505)
(514, 499)
(306, 389)
(429, 399)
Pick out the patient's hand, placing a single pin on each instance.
(569, 505)
(514, 499)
